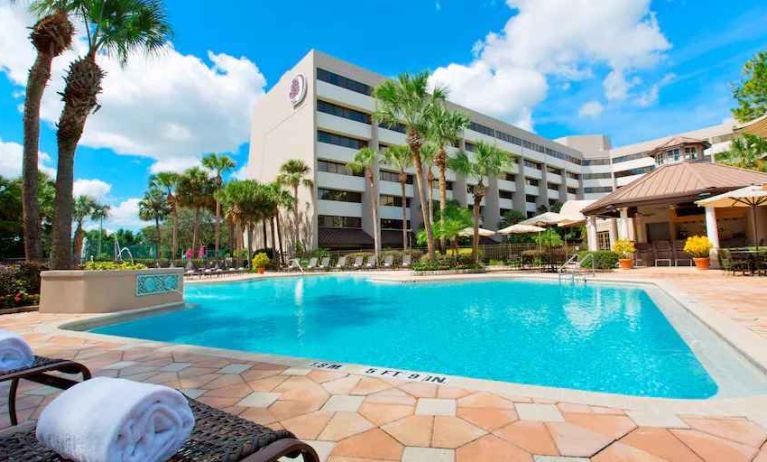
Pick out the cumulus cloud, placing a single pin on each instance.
(171, 107)
(566, 40)
(11, 155)
(94, 188)
(591, 109)
(125, 215)
(650, 97)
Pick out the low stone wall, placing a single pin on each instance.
(110, 291)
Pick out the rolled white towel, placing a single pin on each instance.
(15, 353)
(116, 420)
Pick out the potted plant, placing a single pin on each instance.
(260, 262)
(625, 250)
(699, 248)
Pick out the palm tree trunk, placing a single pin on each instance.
(271, 233)
(230, 240)
(195, 229)
(430, 195)
(250, 243)
(174, 234)
(279, 238)
(39, 74)
(442, 166)
(83, 84)
(158, 242)
(263, 231)
(217, 230)
(415, 150)
(78, 245)
(404, 215)
(475, 236)
(295, 217)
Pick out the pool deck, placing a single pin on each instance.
(352, 415)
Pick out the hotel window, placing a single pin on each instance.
(691, 153)
(344, 82)
(510, 177)
(572, 175)
(482, 129)
(531, 164)
(388, 200)
(340, 140)
(448, 185)
(530, 198)
(469, 146)
(552, 202)
(603, 240)
(334, 221)
(572, 191)
(628, 157)
(503, 194)
(596, 162)
(531, 182)
(555, 171)
(391, 223)
(552, 186)
(336, 167)
(600, 189)
(338, 195)
(597, 176)
(395, 127)
(386, 175)
(634, 171)
(346, 113)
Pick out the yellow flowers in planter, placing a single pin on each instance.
(698, 246)
(624, 248)
(261, 260)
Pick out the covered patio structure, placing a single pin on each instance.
(658, 212)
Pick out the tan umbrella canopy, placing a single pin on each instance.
(468, 232)
(521, 229)
(756, 127)
(751, 196)
(546, 219)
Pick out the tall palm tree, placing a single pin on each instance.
(218, 164)
(246, 201)
(82, 209)
(407, 101)
(169, 182)
(399, 158)
(118, 27)
(445, 128)
(282, 199)
(51, 35)
(366, 160)
(293, 174)
(195, 190)
(487, 161)
(429, 154)
(100, 211)
(154, 206)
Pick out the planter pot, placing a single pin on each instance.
(702, 263)
(261, 270)
(626, 263)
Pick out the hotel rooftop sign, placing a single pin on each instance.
(297, 91)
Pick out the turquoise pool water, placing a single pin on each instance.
(601, 338)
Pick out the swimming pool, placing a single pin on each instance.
(593, 337)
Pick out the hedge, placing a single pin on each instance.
(601, 259)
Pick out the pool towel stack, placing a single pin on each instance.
(105, 420)
(14, 352)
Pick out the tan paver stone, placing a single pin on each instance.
(308, 426)
(256, 374)
(484, 399)
(713, 448)
(572, 440)
(343, 425)
(320, 376)
(575, 408)
(368, 385)
(283, 410)
(381, 414)
(234, 369)
(301, 388)
(623, 453)
(296, 371)
(452, 432)
(607, 410)
(614, 426)
(539, 412)
(268, 383)
(738, 430)
(762, 456)
(323, 448)
(342, 386)
(533, 437)
(660, 442)
(487, 418)
(219, 403)
(447, 392)
(391, 396)
(233, 391)
(435, 406)
(412, 431)
(259, 415)
(223, 381)
(344, 403)
(257, 399)
(491, 448)
(414, 454)
(420, 390)
(371, 444)
(656, 419)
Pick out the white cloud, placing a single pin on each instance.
(650, 97)
(171, 107)
(567, 40)
(591, 109)
(125, 215)
(94, 188)
(11, 155)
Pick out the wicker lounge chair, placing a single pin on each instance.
(39, 372)
(217, 437)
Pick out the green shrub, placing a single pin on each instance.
(601, 259)
(19, 285)
(261, 260)
(113, 266)
(445, 263)
(8, 281)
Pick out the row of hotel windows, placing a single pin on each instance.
(335, 221)
(386, 200)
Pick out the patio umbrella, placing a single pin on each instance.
(468, 232)
(521, 229)
(546, 219)
(751, 196)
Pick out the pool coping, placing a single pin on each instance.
(747, 343)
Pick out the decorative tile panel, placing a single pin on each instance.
(152, 284)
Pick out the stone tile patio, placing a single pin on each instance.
(352, 417)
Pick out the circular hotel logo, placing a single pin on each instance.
(297, 91)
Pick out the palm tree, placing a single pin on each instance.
(169, 182)
(195, 190)
(445, 128)
(82, 209)
(293, 174)
(399, 157)
(246, 201)
(118, 27)
(407, 101)
(366, 160)
(428, 154)
(100, 211)
(746, 151)
(456, 219)
(487, 161)
(219, 164)
(282, 199)
(51, 35)
(154, 206)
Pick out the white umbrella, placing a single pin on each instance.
(546, 219)
(751, 196)
(468, 232)
(521, 229)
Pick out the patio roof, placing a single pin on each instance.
(676, 183)
(678, 142)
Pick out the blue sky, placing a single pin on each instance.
(632, 69)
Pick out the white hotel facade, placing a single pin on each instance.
(320, 112)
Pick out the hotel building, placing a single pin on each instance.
(320, 112)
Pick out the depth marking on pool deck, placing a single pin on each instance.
(379, 372)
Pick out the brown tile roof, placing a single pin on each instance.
(679, 141)
(676, 183)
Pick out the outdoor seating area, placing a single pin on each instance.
(349, 263)
(215, 269)
(744, 261)
(662, 253)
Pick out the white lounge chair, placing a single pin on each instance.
(312, 264)
(357, 263)
(406, 260)
(341, 263)
(371, 262)
(324, 263)
(388, 261)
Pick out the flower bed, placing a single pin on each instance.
(19, 286)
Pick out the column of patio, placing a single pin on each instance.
(591, 233)
(613, 231)
(712, 232)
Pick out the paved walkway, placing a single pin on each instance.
(357, 418)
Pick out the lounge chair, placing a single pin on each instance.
(388, 261)
(217, 436)
(312, 264)
(406, 260)
(324, 263)
(39, 372)
(372, 263)
(294, 264)
(357, 263)
(341, 263)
